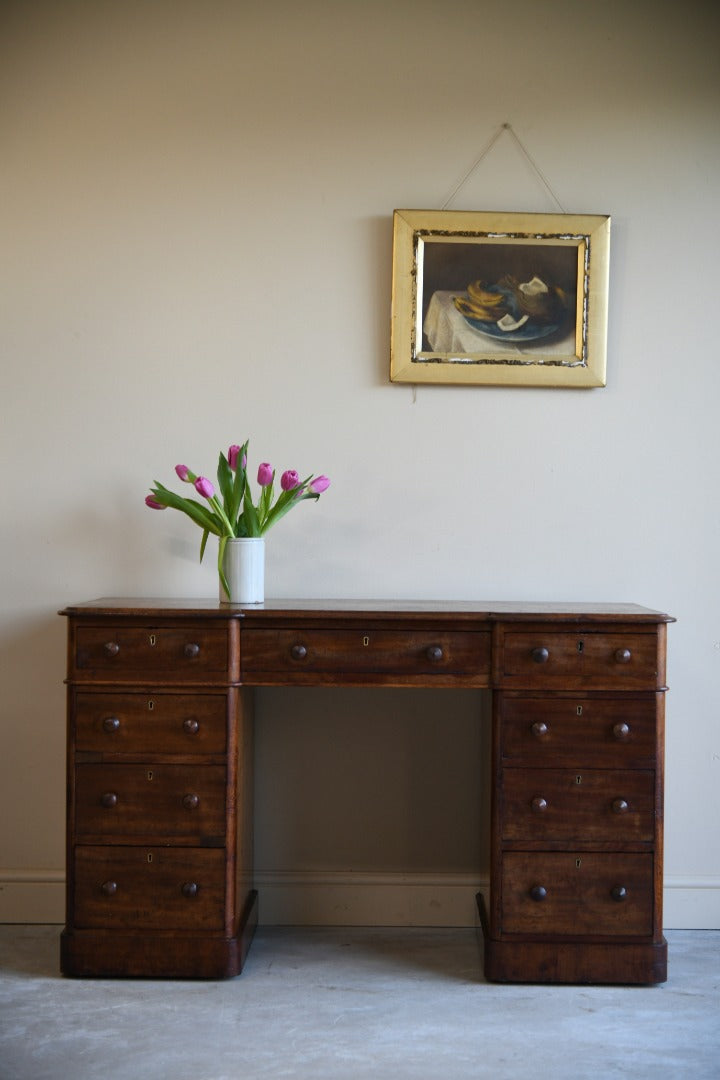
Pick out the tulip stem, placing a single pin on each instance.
(217, 506)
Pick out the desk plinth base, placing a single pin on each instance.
(159, 955)
(580, 963)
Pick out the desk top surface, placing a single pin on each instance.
(460, 610)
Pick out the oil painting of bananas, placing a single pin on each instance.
(513, 310)
(499, 298)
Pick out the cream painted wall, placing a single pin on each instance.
(195, 205)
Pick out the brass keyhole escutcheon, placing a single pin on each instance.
(578, 779)
(151, 705)
(578, 863)
(581, 646)
(366, 641)
(579, 710)
(152, 639)
(150, 857)
(150, 774)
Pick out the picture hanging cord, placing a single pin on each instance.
(503, 127)
(509, 128)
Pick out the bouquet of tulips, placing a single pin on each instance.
(232, 512)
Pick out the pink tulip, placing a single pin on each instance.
(183, 472)
(265, 474)
(289, 480)
(319, 484)
(153, 503)
(204, 487)
(233, 454)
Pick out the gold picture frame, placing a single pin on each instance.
(507, 299)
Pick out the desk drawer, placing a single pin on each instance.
(578, 806)
(617, 732)
(132, 723)
(577, 894)
(282, 656)
(143, 651)
(149, 888)
(548, 658)
(127, 803)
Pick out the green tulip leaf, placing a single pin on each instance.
(252, 524)
(225, 480)
(221, 571)
(194, 510)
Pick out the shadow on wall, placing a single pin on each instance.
(383, 780)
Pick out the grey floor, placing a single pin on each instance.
(330, 1004)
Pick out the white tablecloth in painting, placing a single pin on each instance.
(449, 332)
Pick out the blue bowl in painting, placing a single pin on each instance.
(529, 332)
(532, 329)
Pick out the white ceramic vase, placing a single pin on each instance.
(244, 566)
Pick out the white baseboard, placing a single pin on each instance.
(691, 903)
(347, 899)
(32, 896)
(305, 898)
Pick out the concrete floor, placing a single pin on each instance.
(331, 1004)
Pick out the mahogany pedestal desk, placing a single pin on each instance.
(160, 753)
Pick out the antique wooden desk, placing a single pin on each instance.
(159, 773)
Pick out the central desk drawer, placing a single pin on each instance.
(287, 655)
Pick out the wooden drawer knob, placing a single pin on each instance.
(618, 892)
(191, 802)
(108, 799)
(109, 888)
(620, 806)
(110, 724)
(191, 650)
(539, 804)
(298, 652)
(189, 889)
(623, 656)
(538, 893)
(541, 655)
(111, 648)
(434, 653)
(621, 730)
(539, 729)
(191, 726)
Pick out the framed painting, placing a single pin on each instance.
(499, 298)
